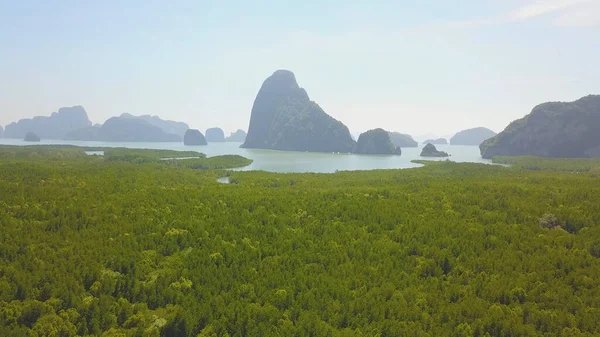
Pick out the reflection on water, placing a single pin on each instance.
(281, 161)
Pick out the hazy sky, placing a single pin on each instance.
(410, 66)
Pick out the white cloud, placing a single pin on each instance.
(582, 16)
(543, 7)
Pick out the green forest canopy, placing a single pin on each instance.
(91, 246)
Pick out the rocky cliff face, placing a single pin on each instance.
(56, 126)
(194, 137)
(556, 129)
(284, 118)
(376, 141)
(215, 135)
(474, 136)
(403, 140)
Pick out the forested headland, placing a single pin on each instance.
(130, 244)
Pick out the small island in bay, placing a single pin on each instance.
(31, 137)
(430, 150)
(376, 141)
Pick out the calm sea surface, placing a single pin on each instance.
(280, 161)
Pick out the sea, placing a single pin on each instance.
(286, 161)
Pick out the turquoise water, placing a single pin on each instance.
(280, 161)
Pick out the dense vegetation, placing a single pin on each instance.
(553, 129)
(91, 246)
(550, 164)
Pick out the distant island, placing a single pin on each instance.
(554, 129)
(129, 128)
(215, 135)
(403, 140)
(1, 131)
(474, 136)
(431, 151)
(168, 126)
(376, 141)
(56, 126)
(438, 141)
(284, 118)
(31, 137)
(194, 137)
(238, 136)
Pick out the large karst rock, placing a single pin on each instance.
(284, 118)
(473, 136)
(403, 140)
(376, 141)
(215, 135)
(56, 126)
(556, 129)
(194, 137)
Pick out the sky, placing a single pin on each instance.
(420, 67)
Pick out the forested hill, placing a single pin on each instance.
(129, 247)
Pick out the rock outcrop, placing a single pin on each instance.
(284, 118)
(556, 130)
(215, 135)
(31, 137)
(238, 136)
(56, 126)
(1, 131)
(474, 136)
(431, 151)
(403, 140)
(194, 137)
(438, 141)
(376, 141)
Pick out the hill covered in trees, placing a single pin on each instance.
(284, 118)
(473, 136)
(136, 247)
(555, 129)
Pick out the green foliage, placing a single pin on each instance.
(123, 154)
(550, 164)
(106, 248)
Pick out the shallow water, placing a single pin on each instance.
(281, 161)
